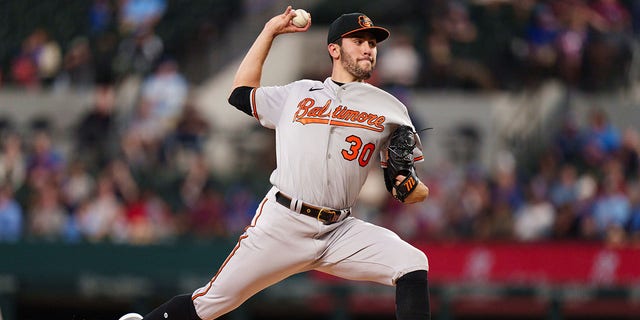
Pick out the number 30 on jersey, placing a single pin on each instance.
(358, 150)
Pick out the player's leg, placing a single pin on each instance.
(412, 296)
(274, 247)
(271, 249)
(362, 251)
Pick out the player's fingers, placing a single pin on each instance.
(399, 179)
(306, 27)
(292, 27)
(281, 23)
(308, 23)
(302, 29)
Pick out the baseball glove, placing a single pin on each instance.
(400, 162)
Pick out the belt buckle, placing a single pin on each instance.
(332, 212)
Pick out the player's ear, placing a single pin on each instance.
(334, 50)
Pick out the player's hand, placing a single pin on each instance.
(282, 23)
(399, 179)
(418, 195)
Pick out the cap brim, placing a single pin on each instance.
(380, 33)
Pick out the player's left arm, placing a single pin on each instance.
(400, 175)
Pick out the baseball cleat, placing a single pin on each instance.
(131, 316)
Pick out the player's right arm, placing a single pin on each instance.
(250, 71)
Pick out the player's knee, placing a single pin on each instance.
(420, 259)
(426, 261)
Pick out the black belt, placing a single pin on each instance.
(324, 215)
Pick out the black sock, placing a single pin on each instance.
(412, 296)
(178, 308)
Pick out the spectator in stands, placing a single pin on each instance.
(563, 189)
(192, 129)
(499, 22)
(506, 191)
(45, 162)
(24, 67)
(541, 36)
(567, 141)
(77, 185)
(166, 91)
(451, 50)
(11, 219)
(136, 15)
(469, 203)
(612, 208)
(583, 207)
(467, 68)
(194, 181)
(101, 17)
(13, 165)
(576, 17)
(96, 131)
(162, 99)
(47, 218)
(141, 138)
(609, 47)
(137, 54)
(125, 185)
(187, 139)
(535, 219)
(600, 139)
(148, 219)
(102, 218)
(78, 71)
(205, 217)
(47, 56)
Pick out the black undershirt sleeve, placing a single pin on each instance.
(241, 99)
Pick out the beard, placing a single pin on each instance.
(351, 65)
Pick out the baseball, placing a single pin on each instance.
(301, 19)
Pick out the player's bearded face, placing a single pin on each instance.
(359, 68)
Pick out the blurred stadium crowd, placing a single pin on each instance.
(143, 177)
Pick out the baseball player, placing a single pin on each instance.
(328, 134)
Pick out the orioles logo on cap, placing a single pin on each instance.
(365, 22)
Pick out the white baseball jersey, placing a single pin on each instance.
(328, 138)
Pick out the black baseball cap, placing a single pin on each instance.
(349, 23)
